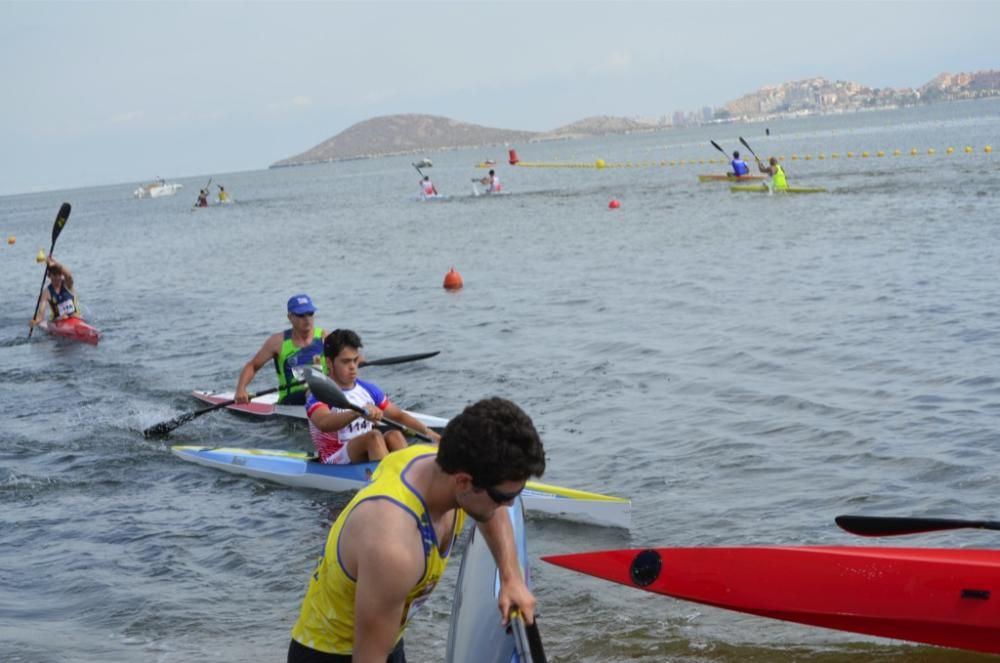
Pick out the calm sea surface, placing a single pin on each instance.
(743, 367)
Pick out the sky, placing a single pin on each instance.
(105, 92)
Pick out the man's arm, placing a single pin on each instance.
(499, 535)
(388, 566)
(328, 420)
(267, 352)
(396, 413)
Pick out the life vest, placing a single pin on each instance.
(326, 622)
(291, 356)
(778, 180)
(62, 304)
(428, 187)
(740, 167)
(494, 185)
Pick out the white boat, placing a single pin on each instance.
(295, 468)
(157, 189)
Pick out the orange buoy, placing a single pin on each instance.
(512, 157)
(11, 240)
(453, 280)
(614, 204)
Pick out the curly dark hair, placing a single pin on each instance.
(339, 339)
(494, 441)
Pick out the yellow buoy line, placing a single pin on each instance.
(865, 154)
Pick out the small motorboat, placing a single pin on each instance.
(157, 189)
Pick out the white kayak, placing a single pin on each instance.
(475, 632)
(295, 468)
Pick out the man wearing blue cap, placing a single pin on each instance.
(302, 345)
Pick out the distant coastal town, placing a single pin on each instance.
(413, 133)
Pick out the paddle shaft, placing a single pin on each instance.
(895, 526)
(61, 218)
(527, 640)
(747, 145)
(165, 427)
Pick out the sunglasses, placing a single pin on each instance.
(303, 315)
(501, 497)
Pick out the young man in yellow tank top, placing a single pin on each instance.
(391, 543)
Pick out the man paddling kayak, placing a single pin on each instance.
(302, 345)
(427, 187)
(59, 297)
(777, 173)
(390, 545)
(740, 166)
(491, 182)
(346, 436)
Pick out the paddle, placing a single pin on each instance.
(164, 428)
(716, 146)
(893, 526)
(327, 391)
(61, 218)
(527, 639)
(746, 145)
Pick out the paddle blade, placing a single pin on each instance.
(327, 390)
(61, 218)
(527, 640)
(164, 428)
(402, 359)
(716, 146)
(747, 145)
(897, 526)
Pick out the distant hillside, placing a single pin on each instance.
(819, 95)
(403, 134)
(598, 125)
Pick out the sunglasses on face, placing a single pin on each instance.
(303, 315)
(501, 497)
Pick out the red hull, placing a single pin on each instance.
(74, 328)
(941, 597)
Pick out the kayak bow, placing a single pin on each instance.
(73, 328)
(936, 596)
(299, 469)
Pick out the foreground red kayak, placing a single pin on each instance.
(74, 328)
(935, 596)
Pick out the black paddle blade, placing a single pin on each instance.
(164, 428)
(527, 640)
(327, 390)
(402, 359)
(716, 146)
(896, 526)
(61, 218)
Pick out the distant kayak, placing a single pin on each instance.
(434, 197)
(72, 328)
(760, 188)
(729, 178)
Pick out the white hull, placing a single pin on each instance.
(157, 190)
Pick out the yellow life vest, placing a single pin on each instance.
(326, 622)
(778, 180)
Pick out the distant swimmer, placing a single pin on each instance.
(427, 187)
(777, 173)
(740, 166)
(491, 182)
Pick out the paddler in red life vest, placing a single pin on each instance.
(427, 187)
(492, 182)
(777, 173)
(740, 166)
(202, 199)
(302, 345)
(59, 297)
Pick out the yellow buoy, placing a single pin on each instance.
(850, 154)
(864, 155)
(950, 150)
(931, 151)
(880, 153)
(987, 149)
(834, 156)
(913, 152)
(11, 240)
(820, 157)
(599, 163)
(896, 153)
(968, 149)
(807, 157)
(41, 256)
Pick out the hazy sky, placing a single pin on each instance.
(105, 92)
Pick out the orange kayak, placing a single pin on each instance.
(72, 328)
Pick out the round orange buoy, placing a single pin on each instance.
(11, 240)
(453, 280)
(512, 157)
(614, 204)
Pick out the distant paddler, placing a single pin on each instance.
(491, 182)
(739, 166)
(59, 298)
(777, 173)
(427, 188)
(223, 196)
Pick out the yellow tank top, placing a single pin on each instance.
(778, 180)
(326, 622)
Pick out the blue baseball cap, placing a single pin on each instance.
(300, 304)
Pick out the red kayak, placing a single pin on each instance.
(74, 328)
(935, 596)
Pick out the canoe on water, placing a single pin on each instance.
(760, 188)
(936, 596)
(72, 328)
(292, 468)
(729, 178)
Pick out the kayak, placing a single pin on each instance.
(728, 178)
(73, 328)
(295, 468)
(431, 198)
(475, 632)
(267, 406)
(935, 596)
(760, 188)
